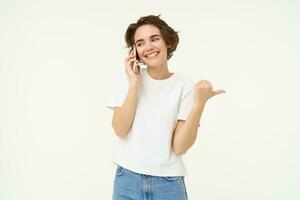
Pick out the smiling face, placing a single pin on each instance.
(151, 47)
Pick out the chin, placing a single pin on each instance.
(150, 65)
(153, 64)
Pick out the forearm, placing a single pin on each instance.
(187, 135)
(123, 120)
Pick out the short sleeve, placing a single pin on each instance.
(185, 105)
(186, 102)
(119, 93)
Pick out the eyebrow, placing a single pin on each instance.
(152, 36)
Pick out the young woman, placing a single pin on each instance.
(156, 116)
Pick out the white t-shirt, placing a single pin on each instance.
(147, 148)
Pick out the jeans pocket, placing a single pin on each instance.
(173, 178)
(119, 170)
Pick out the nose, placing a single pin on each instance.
(149, 46)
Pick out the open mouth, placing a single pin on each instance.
(152, 55)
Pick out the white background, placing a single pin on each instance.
(60, 62)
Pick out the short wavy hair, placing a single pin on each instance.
(169, 35)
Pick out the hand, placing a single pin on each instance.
(203, 92)
(132, 68)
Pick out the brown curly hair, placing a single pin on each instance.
(169, 35)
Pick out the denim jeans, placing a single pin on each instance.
(130, 185)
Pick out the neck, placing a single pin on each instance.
(159, 72)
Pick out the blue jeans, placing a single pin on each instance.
(130, 185)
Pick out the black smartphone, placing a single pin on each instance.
(137, 55)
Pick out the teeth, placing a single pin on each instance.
(152, 55)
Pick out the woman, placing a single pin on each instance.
(156, 116)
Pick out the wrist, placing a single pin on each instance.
(134, 85)
(199, 105)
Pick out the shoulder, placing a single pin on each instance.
(186, 82)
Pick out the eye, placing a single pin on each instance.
(139, 44)
(155, 39)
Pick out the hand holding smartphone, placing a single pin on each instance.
(132, 66)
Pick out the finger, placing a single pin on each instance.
(134, 67)
(131, 60)
(130, 52)
(218, 92)
(134, 50)
(202, 83)
(129, 64)
(208, 83)
(130, 57)
(139, 68)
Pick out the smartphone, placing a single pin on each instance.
(135, 67)
(137, 55)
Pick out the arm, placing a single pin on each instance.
(124, 116)
(185, 132)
